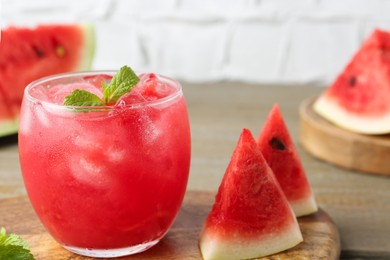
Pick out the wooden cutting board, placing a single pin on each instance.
(321, 238)
(326, 141)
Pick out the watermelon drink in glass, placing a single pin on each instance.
(105, 180)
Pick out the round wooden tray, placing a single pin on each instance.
(320, 234)
(326, 141)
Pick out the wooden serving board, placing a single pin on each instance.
(326, 141)
(321, 237)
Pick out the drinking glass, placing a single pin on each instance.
(105, 181)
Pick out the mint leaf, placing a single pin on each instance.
(123, 82)
(13, 247)
(81, 97)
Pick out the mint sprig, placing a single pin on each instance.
(81, 97)
(121, 83)
(13, 247)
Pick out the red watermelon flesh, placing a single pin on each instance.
(27, 54)
(281, 155)
(358, 99)
(251, 217)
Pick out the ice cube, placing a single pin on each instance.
(88, 171)
(97, 80)
(41, 115)
(115, 155)
(134, 97)
(153, 87)
(96, 155)
(92, 168)
(152, 133)
(87, 143)
(57, 93)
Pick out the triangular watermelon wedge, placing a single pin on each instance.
(281, 155)
(358, 100)
(251, 217)
(27, 54)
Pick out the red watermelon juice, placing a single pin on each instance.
(105, 181)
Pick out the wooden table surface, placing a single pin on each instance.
(358, 203)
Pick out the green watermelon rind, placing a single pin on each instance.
(8, 127)
(305, 206)
(232, 247)
(89, 47)
(328, 108)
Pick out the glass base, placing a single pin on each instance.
(107, 253)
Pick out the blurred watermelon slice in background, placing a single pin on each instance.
(359, 98)
(27, 54)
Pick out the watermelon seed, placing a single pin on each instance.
(277, 144)
(39, 53)
(352, 81)
(60, 51)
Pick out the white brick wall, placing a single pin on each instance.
(276, 41)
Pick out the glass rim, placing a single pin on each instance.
(41, 81)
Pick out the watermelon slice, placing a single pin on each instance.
(27, 54)
(251, 216)
(358, 100)
(281, 155)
